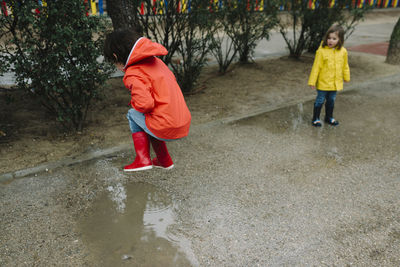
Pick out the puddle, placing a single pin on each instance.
(129, 226)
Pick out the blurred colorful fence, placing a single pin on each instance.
(97, 7)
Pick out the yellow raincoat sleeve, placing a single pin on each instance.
(316, 68)
(346, 69)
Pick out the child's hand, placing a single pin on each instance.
(312, 87)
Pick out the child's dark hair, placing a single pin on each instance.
(118, 45)
(340, 32)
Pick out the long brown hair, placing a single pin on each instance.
(334, 29)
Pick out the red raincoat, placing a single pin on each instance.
(155, 92)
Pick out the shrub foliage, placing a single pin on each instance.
(53, 51)
(193, 47)
(304, 28)
(246, 25)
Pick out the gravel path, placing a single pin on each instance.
(269, 190)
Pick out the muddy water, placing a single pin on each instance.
(129, 226)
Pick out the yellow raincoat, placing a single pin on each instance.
(330, 68)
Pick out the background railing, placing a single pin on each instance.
(98, 7)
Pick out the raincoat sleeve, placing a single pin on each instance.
(346, 68)
(316, 68)
(141, 97)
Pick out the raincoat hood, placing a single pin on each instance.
(144, 48)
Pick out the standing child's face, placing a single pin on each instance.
(333, 39)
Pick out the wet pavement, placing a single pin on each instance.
(266, 190)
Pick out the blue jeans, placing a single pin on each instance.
(330, 97)
(137, 123)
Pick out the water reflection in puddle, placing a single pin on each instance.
(129, 227)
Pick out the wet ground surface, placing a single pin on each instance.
(129, 223)
(264, 191)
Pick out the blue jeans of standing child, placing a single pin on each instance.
(137, 123)
(330, 97)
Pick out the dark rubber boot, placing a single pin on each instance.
(329, 115)
(315, 119)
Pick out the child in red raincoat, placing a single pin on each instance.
(159, 112)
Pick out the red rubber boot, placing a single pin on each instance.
(142, 147)
(163, 159)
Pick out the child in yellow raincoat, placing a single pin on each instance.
(329, 70)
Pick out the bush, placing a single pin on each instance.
(180, 29)
(54, 52)
(163, 24)
(222, 46)
(307, 26)
(246, 24)
(193, 46)
(327, 16)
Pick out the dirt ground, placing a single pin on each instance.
(28, 136)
